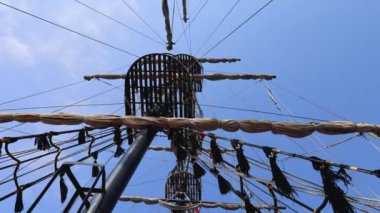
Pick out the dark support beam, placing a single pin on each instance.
(122, 173)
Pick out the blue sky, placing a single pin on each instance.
(326, 52)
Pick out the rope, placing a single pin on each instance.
(192, 20)
(119, 22)
(218, 25)
(68, 29)
(39, 180)
(183, 27)
(310, 102)
(204, 105)
(238, 27)
(143, 20)
(277, 151)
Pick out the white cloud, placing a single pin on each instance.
(26, 42)
(15, 51)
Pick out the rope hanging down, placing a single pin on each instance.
(169, 35)
(184, 7)
(210, 77)
(291, 129)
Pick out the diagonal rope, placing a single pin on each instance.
(143, 20)
(53, 89)
(310, 102)
(68, 29)
(80, 101)
(183, 27)
(119, 22)
(218, 26)
(238, 27)
(192, 20)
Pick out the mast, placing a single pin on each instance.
(171, 95)
(122, 173)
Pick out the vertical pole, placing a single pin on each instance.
(122, 173)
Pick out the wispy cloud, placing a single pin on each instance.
(14, 50)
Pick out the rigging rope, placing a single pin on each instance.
(119, 22)
(30, 184)
(310, 102)
(192, 20)
(70, 30)
(238, 27)
(53, 89)
(66, 106)
(307, 190)
(83, 150)
(299, 156)
(218, 25)
(143, 20)
(183, 27)
(204, 105)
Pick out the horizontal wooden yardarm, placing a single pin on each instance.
(218, 60)
(211, 77)
(192, 204)
(291, 129)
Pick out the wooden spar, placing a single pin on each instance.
(218, 60)
(203, 204)
(291, 129)
(210, 77)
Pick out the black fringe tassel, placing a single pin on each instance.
(82, 136)
(118, 141)
(195, 145)
(333, 192)
(95, 169)
(19, 206)
(376, 172)
(119, 151)
(234, 143)
(63, 188)
(224, 185)
(117, 136)
(215, 153)
(42, 142)
(198, 170)
(279, 178)
(242, 161)
(249, 208)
